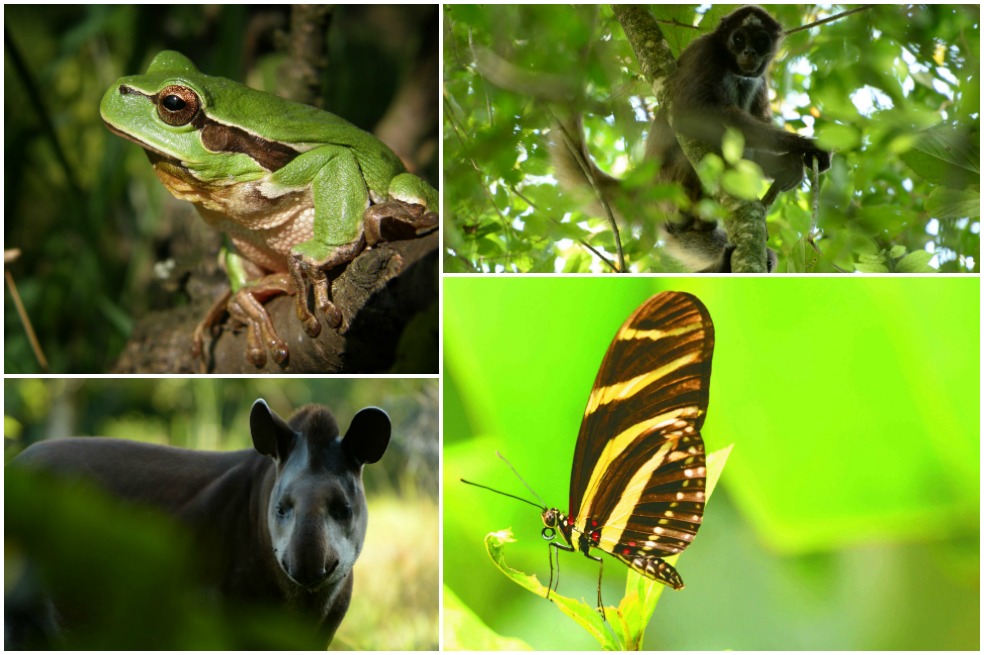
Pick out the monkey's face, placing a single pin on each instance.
(752, 48)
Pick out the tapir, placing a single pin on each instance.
(281, 523)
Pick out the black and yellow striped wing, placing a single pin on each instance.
(638, 478)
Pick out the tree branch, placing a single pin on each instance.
(746, 224)
(388, 297)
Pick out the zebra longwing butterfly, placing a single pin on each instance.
(638, 477)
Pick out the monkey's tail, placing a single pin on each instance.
(573, 164)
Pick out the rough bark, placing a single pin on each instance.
(388, 297)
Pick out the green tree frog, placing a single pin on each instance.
(297, 190)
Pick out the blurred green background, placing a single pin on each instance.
(395, 601)
(848, 516)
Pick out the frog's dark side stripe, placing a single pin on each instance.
(219, 137)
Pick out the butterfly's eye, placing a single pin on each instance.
(551, 518)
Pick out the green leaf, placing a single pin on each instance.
(867, 267)
(743, 180)
(954, 203)
(585, 616)
(463, 630)
(916, 262)
(839, 137)
(710, 169)
(947, 155)
(628, 622)
(733, 145)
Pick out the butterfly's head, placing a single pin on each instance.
(553, 520)
(552, 517)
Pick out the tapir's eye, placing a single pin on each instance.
(283, 509)
(341, 511)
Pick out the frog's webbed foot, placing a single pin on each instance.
(395, 220)
(261, 336)
(246, 306)
(208, 326)
(392, 220)
(301, 268)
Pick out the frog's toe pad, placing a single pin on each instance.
(333, 315)
(311, 326)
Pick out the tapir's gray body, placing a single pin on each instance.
(281, 524)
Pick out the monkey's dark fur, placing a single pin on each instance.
(721, 81)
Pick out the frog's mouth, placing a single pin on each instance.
(152, 152)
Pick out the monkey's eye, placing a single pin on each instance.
(739, 39)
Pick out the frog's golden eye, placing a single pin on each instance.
(177, 105)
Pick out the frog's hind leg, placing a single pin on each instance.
(207, 327)
(246, 307)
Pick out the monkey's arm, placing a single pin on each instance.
(708, 124)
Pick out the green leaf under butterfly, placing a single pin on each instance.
(585, 615)
(626, 623)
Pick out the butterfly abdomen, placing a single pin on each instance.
(657, 569)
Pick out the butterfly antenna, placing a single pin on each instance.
(503, 493)
(516, 473)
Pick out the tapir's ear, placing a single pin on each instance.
(367, 435)
(271, 434)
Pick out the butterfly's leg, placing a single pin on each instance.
(559, 546)
(601, 568)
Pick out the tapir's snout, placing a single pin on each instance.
(309, 556)
(308, 576)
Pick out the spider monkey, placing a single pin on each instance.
(721, 81)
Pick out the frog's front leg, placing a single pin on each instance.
(340, 198)
(301, 268)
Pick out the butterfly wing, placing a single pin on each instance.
(637, 483)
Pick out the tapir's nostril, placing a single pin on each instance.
(317, 577)
(307, 577)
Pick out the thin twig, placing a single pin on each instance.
(594, 251)
(816, 196)
(449, 115)
(26, 321)
(675, 23)
(828, 20)
(588, 173)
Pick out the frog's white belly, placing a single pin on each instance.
(264, 236)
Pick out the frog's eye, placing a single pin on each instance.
(177, 105)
